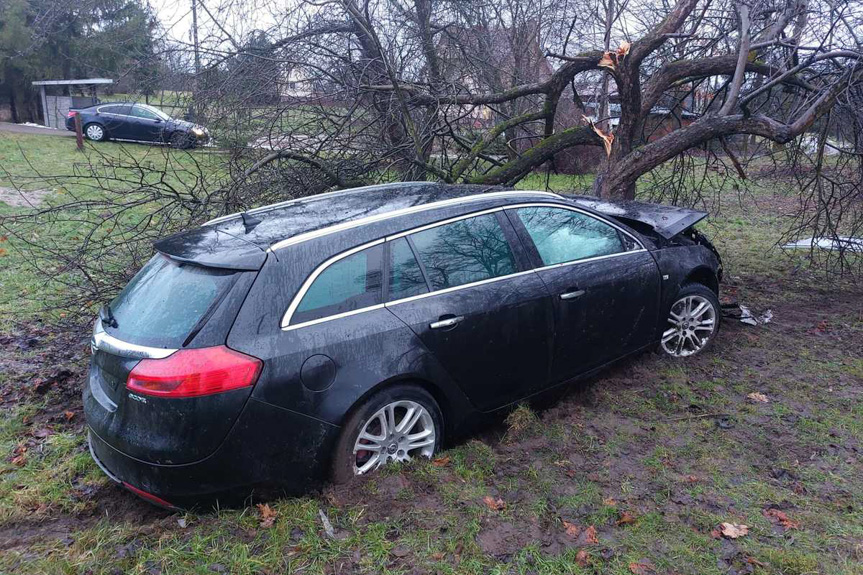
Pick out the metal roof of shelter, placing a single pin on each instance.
(82, 82)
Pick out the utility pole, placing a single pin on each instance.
(196, 85)
(195, 38)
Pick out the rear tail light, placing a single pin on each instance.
(195, 372)
(71, 113)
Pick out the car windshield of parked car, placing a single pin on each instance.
(165, 301)
(464, 251)
(148, 113)
(562, 235)
(349, 284)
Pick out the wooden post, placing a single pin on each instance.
(79, 135)
(44, 106)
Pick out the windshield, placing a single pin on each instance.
(165, 301)
(156, 111)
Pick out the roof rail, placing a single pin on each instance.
(400, 212)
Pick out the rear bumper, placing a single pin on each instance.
(270, 450)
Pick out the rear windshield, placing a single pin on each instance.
(166, 300)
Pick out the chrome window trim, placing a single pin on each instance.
(457, 288)
(286, 318)
(110, 344)
(581, 211)
(394, 214)
(295, 303)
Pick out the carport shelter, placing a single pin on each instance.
(55, 108)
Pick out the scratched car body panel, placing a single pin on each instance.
(297, 313)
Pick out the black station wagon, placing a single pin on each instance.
(326, 336)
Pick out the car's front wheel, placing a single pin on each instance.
(95, 132)
(392, 426)
(692, 322)
(181, 140)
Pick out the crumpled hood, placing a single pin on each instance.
(667, 221)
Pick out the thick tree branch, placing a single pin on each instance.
(539, 154)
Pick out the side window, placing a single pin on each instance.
(406, 278)
(464, 251)
(564, 235)
(351, 283)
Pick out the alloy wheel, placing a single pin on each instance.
(693, 323)
(395, 433)
(95, 132)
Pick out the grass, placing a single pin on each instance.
(641, 441)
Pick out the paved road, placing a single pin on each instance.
(21, 129)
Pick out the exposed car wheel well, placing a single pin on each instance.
(705, 277)
(428, 386)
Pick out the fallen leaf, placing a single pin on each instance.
(19, 460)
(590, 536)
(3, 238)
(400, 551)
(69, 415)
(582, 558)
(757, 397)
(268, 515)
(714, 533)
(642, 567)
(494, 504)
(2, 252)
(626, 518)
(182, 522)
(572, 529)
(732, 530)
(609, 501)
(754, 561)
(441, 461)
(42, 433)
(692, 479)
(781, 518)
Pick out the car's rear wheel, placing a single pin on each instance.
(392, 426)
(692, 322)
(95, 132)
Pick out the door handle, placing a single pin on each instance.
(572, 294)
(448, 322)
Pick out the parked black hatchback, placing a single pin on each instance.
(326, 336)
(137, 123)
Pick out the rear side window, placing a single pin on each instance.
(349, 284)
(564, 235)
(464, 251)
(165, 301)
(405, 276)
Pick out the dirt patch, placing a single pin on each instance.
(22, 198)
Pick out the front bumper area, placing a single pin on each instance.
(269, 451)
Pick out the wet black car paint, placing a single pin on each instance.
(280, 433)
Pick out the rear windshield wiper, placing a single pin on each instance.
(107, 316)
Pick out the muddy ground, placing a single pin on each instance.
(634, 472)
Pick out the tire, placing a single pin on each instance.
(95, 132)
(366, 417)
(181, 141)
(690, 334)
